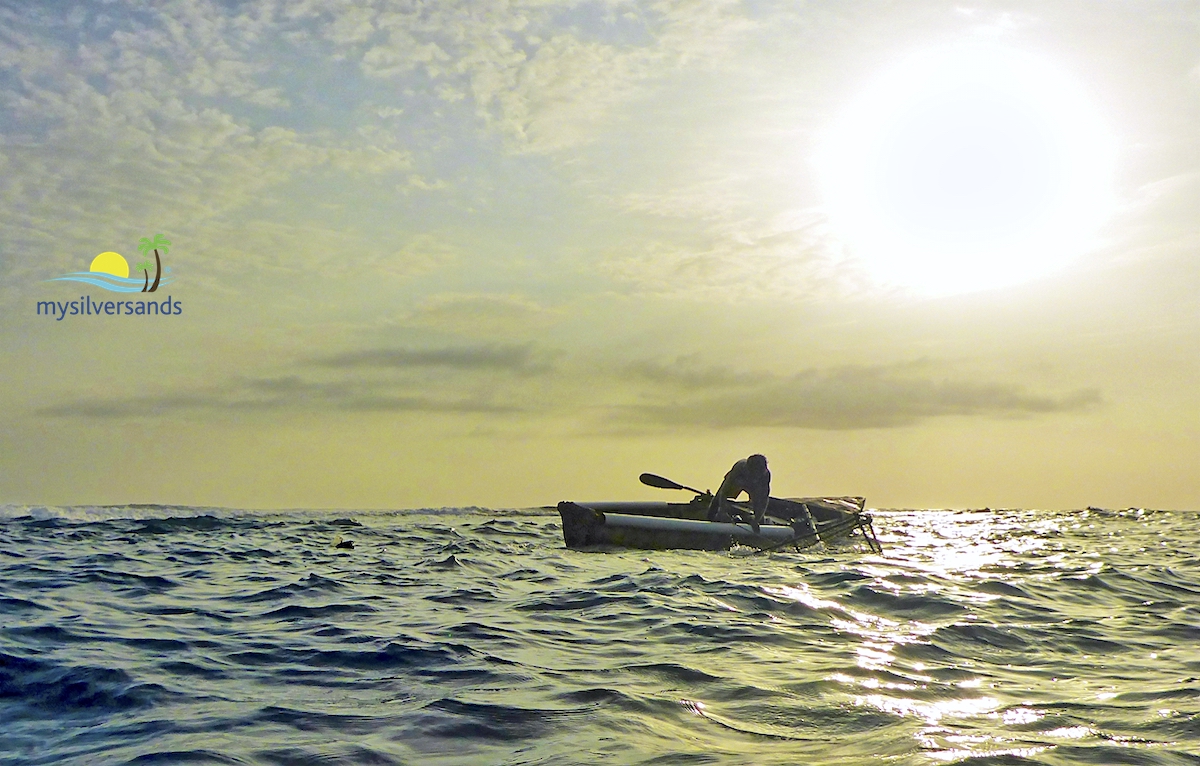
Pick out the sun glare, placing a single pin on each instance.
(965, 168)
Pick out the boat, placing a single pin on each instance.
(799, 522)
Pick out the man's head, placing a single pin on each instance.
(757, 463)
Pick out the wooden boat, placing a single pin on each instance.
(798, 522)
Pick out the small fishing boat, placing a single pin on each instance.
(791, 522)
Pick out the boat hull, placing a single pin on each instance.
(821, 509)
(652, 526)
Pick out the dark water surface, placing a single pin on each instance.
(469, 636)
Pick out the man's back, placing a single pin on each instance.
(749, 475)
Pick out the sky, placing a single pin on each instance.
(502, 254)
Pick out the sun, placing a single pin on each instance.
(967, 167)
(111, 263)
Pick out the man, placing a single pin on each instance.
(749, 475)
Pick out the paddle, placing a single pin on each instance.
(661, 482)
(652, 480)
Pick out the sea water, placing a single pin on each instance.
(170, 635)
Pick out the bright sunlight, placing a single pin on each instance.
(965, 168)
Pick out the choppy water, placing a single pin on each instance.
(473, 637)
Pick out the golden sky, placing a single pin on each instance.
(508, 253)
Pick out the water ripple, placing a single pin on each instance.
(176, 635)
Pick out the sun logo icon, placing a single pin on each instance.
(110, 263)
(110, 270)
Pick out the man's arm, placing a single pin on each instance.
(760, 497)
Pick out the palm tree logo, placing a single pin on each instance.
(145, 246)
(110, 270)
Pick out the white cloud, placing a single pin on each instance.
(712, 199)
(355, 25)
(543, 84)
(138, 128)
(172, 117)
(792, 257)
(417, 181)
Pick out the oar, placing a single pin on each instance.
(661, 482)
(652, 480)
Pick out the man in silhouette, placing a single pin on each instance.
(749, 475)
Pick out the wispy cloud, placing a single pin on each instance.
(480, 314)
(515, 358)
(450, 379)
(738, 255)
(186, 117)
(689, 373)
(544, 75)
(291, 393)
(275, 249)
(684, 393)
(122, 118)
(844, 398)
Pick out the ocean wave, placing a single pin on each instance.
(154, 511)
(311, 584)
(52, 686)
(476, 637)
(392, 656)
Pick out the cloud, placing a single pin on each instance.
(128, 117)
(544, 75)
(291, 393)
(185, 117)
(140, 406)
(1155, 228)
(452, 379)
(845, 398)
(688, 374)
(792, 257)
(512, 358)
(416, 181)
(479, 314)
(713, 198)
(234, 249)
(684, 393)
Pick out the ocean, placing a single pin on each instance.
(176, 635)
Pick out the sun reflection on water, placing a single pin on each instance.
(962, 753)
(1021, 715)
(980, 581)
(957, 545)
(880, 634)
(930, 712)
(944, 556)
